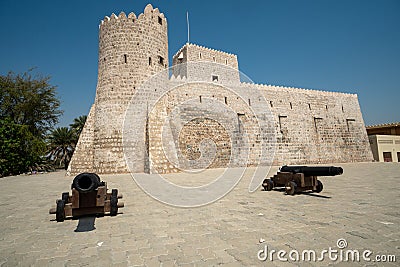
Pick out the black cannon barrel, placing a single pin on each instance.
(86, 182)
(313, 171)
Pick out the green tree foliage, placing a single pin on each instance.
(29, 108)
(78, 124)
(62, 143)
(29, 100)
(20, 150)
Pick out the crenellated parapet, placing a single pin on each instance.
(197, 53)
(204, 48)
(295, 90)
(121, 18)
(199, 63)
(177, 78)
(131, 19)
(131, 48)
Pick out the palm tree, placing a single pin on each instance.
(78, 124)
(62, 142)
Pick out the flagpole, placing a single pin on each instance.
(187, 22)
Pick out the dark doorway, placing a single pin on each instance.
(387, 156)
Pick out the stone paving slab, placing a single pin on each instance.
(361, 206)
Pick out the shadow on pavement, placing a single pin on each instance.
(85, 224)
(311, 194)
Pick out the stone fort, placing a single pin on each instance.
(166, 125)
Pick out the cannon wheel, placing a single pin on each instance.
(319, 187)
(60, 211)
(290, 188)
(269, 186)
(65, 197)
(263, 184)
(114, 202)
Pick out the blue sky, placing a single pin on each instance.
(346, 46)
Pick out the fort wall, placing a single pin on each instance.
(205, 116)
(316, 126)
(310, 126)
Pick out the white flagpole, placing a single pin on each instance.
(187, 21)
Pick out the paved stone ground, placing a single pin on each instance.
(361, 206)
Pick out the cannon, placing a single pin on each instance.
(89, 197)
(313, 171)
(300, 178)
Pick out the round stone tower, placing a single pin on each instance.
(131, 49)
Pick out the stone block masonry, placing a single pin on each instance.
(200, 114)
(131, 49)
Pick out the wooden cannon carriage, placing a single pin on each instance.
(89, 196)
(300, 178)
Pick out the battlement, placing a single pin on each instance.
(197, 53)
(177, 78)
(149, 11)
(290, 89)
(384, 125)
(190, 53)
(205, 49)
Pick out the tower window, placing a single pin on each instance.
(214, 59)
(342, 108)
(161, 60)
(215, 78)
(200, 55)
(282, 124)
(249, 102)
(226, 62)
(291, 107)
(160, 20)
(270, 103)
(180, 57)
(200, 99)
(309, 106)
(226, 100)
(349, 123)
(149, 61)
(240, 117)
(317, 121)
(126, 58)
